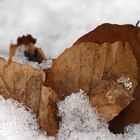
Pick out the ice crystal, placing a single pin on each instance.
(125, 81)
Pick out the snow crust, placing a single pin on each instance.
(22, 59)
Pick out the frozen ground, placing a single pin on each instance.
(57, 24)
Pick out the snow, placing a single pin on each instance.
(22, 59)
(77, 117)
(58, 23)
(79, 122)
(125, 81)
(17, 123)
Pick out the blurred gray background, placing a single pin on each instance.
(58, 23)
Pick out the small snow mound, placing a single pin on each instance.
(16, 123)
(78, 118)
(132, 132)
(80, 122)
(22, 59)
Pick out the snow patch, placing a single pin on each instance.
(22, 59)
(80, 122)
(16, 123)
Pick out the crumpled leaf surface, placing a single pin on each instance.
(111, 33)
(95, 68)
(25, 84)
